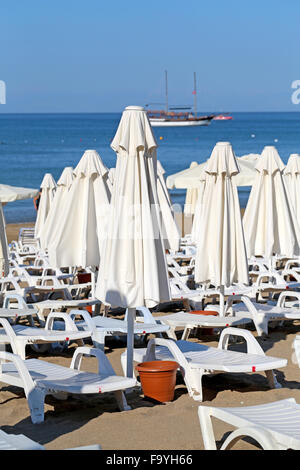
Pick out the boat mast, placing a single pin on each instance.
(167, 103)
(195, 96)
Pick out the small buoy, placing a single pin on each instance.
(161, 138)
(275, 140)
(252, 135)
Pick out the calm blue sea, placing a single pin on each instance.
(33, 144)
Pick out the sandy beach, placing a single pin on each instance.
(148, 425)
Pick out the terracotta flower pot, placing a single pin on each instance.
(206, 331)
(158, 379)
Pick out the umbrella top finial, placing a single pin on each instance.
(134, 108)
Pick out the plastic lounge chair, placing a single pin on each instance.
(274, 426)
(21, 442)
(189, 321)
(196, 360)
(55, 305)
(262, 314)
(105, 326)
(40, 378)
(18, 336)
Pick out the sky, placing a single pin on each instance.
(100, 56)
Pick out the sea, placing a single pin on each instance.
(34, 144)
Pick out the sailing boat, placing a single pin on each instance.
(168, 117)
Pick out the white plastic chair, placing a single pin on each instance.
(40, 378)
(190, 321)
(274, 426)
(18, 336)
(21, 442)
(196, 360)
(101, 327)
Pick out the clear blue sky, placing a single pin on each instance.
(97, 56)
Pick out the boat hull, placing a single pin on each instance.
(157, 123)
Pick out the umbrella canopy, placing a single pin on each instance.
(191, 195)
(221, 258)
(170, 230)
(13, 193)
(56, 213)
(189, 178)
(269, 221)
(4, 257)
(292, 180)
(78, 240)
(48, 187)
(197, 223)
(133, 271)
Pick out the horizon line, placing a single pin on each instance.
(120, 112)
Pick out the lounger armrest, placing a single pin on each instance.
(287, 294)
(171, 345)
(21, 368)
(291, 272)
(8, 329)
(253, 346)
(261, 276)
(104, 366)
(85, 316)
(69, 323)
(145, 314)
(20, 301)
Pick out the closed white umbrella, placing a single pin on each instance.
(78, 240)
(292, 180)
(48, 187)
(221, 258)
(4, 257)
(270, 225)
(170, 230)
(133, 268)
(191, 195)
(56, 213)
(197, 224)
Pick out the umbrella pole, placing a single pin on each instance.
(131, 312)
(222, 292)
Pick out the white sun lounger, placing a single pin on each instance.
(189, 321)
(274, 426)
(40, 378)
(262, 314)
(101, 327)
(17, 442)
(21, 442)
(55, 305)
(196, 360)
(18, 336)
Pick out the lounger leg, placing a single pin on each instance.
(18, 347)
(273, 383)
(121, 400)
(171, 333)
(186, 333)
(99, 340)
(206, 429)
(261, 324)
(36, 400)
